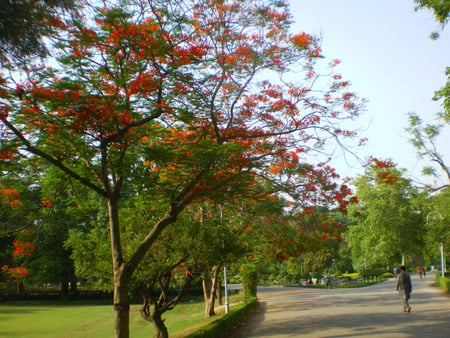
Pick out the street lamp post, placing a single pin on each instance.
(227, 304)
(441, 245)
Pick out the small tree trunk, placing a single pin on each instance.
(219, 294)
(209, 291)
(64, 290)
(121, 311)
(160, 328)
(121, 280)
(154, 316)
(19, 287)
(73, 286)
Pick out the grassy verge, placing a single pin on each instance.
(95, 319)
(444, 282)
(87, 319)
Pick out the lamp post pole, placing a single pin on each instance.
(441, 245)
(225, 282)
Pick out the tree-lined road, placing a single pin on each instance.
(370, 311)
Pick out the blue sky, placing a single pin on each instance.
(387, 55)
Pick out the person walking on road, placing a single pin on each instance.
(404, 286)
(328, 279)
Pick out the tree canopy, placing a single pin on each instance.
(387, 224)
(181, 103)
(440, 8)
(25, 23)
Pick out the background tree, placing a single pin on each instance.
(387, 226)
(167, 272)
(423, 138)
(20, 206)
(275, 234)
(46, 215)
(441, 10)
(178, 103)
(435, 211)
(25, 23)
(180, 257)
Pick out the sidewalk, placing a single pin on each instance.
(373, 311)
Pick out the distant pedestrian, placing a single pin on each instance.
(420, 272)
(404, 286)
(328, 278)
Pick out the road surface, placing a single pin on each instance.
(373, 311)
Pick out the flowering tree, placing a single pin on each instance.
(182, 102)
(10, 204)
(22, 251)
(34, 203)
(19, 273)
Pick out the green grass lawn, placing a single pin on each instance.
(81, 319)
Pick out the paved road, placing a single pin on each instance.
(373, 311)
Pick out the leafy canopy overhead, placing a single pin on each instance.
(185, 87)
(180, 102)
(25, 23)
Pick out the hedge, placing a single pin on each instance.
(224, 326)
(444, 282)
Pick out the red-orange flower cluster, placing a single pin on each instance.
(17, 272)
(23, 248)
(302, 41)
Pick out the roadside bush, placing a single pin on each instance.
(388, 275)
(225, 325)
(353, 275)
(249, 275)
(372, 274)
(444, 282)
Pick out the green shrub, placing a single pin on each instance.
(372, 273)
(249, 276)
(225, 325)
(354, 275)
(444, 282)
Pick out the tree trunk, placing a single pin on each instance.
(209, 291)
(124, 270)
(121, 275)
(219, 294)
(160, 328)
(64, 290)
(121, 309)
(73, 286)
(154, 316)
(20, 287)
